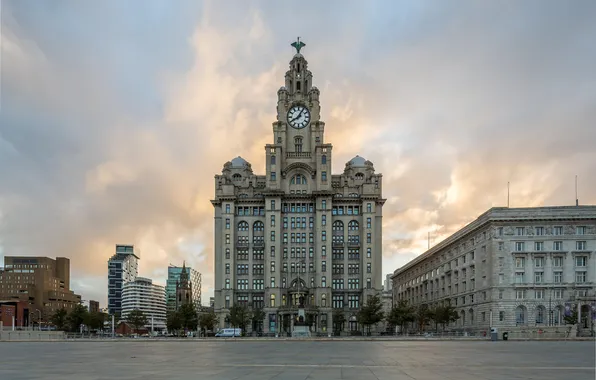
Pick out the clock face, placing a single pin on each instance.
(298, 117)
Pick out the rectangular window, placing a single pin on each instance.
(323, 266)
(558, 277)
(368, 268)
(368, 237)
(324, 235)
(368, 223)
(519, 231)
(227, 238)
(580, 230)
(520, 277)
(558, 294)
(539, 246)
(581, 261)
(539, 262)
(557, 245)
(580, 245)
(558, 230)
(368, 253)
(227, 223)
(227, 208)
(580, 277)
(520, 294)
(538, 277)
(324, 204)
(520, 262)
(273, 176)
(324, 176)
(369, 207)
(272, 205)
(500, 294)
(539, 231)
(519, 246)
(272, 267)
(501, 316)
(272, 160)
(557, 261)
(272, 235)
(501, 246)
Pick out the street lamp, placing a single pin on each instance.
(39, 320)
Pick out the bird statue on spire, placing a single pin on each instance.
(298, 45)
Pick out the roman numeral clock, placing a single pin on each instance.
(298, 116)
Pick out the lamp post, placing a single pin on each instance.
(39, 320)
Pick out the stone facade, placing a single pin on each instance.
(298, 230)
(511, 267)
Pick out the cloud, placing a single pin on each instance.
(113, 120)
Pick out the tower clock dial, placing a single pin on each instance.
(298, 116)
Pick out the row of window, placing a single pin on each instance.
(541, 231)
(557, 261)
(243, 240)
(520, 246)
(336, 284)
(296, 252)
(353, 301)
(581, 277)
(297, 208)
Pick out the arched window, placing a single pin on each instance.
(324, 159)
(323, 300)
(298, 179)
(353, 226)
(471, 314)
(338, 225)
(520, 315)
(540, 314)
(463, 318)
(227, 283)
(298, 144)
(324, 282)
(236, 177)
(359, 176)
(558, 315)
(258, 226)
(272, 300)
(242, 226)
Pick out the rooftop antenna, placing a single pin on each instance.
(507, 194)
(428, 240)
(576, 198)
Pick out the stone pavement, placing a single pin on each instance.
(292, 360)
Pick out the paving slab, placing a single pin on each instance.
(297, 360)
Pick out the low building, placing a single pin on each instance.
(150, 298)
(511, 267)
(14, 312)
(40, 282)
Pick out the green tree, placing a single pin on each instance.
(60, 319)
(444, 314)
(77, 317)
(189, 316)
(257, 317)
(240, 316)
(371, 313)
(173, 321)
(338, 321)
(137, 319)
(96, 320)
(571, 319)
(401, 314)
(423, 316)
(208, 321)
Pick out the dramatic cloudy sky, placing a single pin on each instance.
(115, 115)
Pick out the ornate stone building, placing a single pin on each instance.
(511, 267)
(298, 230)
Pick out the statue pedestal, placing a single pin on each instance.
(300, 329)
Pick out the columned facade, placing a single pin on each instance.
(298, 230)
(511, 267)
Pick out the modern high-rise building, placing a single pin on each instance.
(123, 267)
(511, 267)
(43, 283)
(142, 294)
(173, 283)
(298, 231)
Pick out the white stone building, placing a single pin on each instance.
(142, 294)
(511, 267)
(298, 231)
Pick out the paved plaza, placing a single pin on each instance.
(293, 360)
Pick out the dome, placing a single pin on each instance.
(358, 161)
(239, 162)
(282, 88)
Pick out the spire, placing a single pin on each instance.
(184, 266)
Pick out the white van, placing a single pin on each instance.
(229, 333)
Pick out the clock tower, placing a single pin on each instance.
(298, 132)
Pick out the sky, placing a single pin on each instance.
(115, 116)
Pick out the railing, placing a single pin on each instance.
(298, 155)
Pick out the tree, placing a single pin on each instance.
(258, 315)
(208, 321)
(189, 316)
(371, 313)
(571, 319)
(59, 319)
(444, 315)
(240, 316)
(96, 320)
(137, 319)
(173, 321)
(423, 315)
(401, 314)
(338, 321)
(77, 317)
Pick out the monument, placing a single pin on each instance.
(301, 328)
